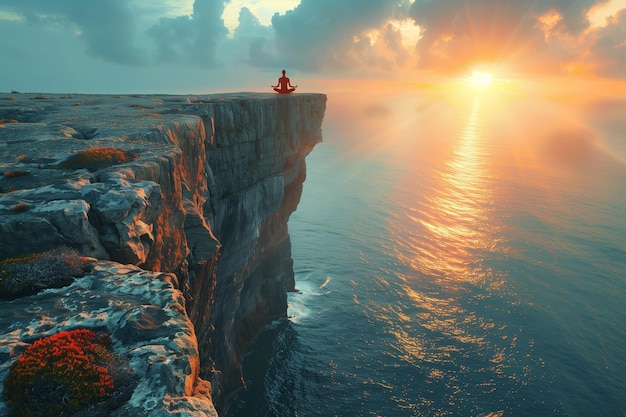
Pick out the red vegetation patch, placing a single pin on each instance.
(97, 158)
(20, 207)
(60, 374)
(14, 173)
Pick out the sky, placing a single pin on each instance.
(201, 46)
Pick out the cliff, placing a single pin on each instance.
(185, 227)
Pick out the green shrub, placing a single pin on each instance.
(97, 158)
(60, 374)
(29, 274)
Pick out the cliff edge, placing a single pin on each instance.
(180, 205)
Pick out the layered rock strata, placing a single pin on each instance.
(200, 209)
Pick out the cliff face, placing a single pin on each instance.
(258, 153)
(206, 196)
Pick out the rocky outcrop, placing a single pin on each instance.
(202, 205)
(144, 313)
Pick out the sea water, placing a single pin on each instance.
(454, 256)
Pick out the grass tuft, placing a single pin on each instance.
(31, 273)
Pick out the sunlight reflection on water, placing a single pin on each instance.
(452, 213)
(442, 232)
(453, 261)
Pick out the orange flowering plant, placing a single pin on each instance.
(60, 374)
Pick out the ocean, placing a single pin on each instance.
(455, 255)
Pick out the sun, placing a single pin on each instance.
(491, 83)
(480, 80)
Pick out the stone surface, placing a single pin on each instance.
(207, 199)
(145, 315)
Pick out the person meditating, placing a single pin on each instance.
(284, 85)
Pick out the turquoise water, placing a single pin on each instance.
(454, 257)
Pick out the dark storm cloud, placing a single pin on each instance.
(321, 33)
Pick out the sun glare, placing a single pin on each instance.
(490, 83)
(480, 80)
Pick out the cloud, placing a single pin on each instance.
(323, 34)
(527, 34)
(336, 38)
(114, 30)
(192, 39)
(607, 51)
(107, 28)
(253, 43)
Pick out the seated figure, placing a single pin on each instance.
(284, 85)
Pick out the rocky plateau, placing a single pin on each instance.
(186, 237)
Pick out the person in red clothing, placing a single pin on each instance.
(284, 85)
